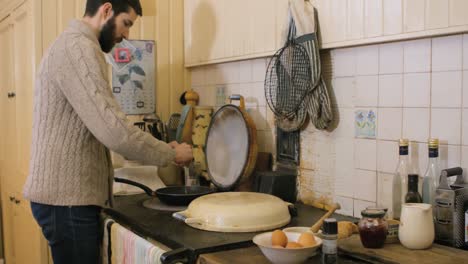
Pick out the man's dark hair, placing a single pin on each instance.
(119, 6)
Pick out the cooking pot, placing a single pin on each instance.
(231, 146)
(175, 195)
(236, 212)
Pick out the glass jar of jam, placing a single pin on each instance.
(373, 228)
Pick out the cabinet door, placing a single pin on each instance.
(24, 65)
(5, 85)
(8, 139)
(29, 243)
(7, 225)
(223, 30)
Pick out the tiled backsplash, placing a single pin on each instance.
(418, 89)
(245, 78)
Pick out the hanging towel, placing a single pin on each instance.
(302, 27)
(129, 248)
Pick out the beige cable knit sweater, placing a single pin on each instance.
(76, 122)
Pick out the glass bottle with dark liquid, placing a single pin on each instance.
(413, 195)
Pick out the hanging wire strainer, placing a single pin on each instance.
(288, 80)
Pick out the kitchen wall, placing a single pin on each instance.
(417, 89)
(216, 82)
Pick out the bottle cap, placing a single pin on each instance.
(413, 178)
(434, 143)
(330, 226)
(404, 142)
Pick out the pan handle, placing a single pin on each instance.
(182, 217)
(175, 256)
(239, 98)
(139, 185)
(292, 210)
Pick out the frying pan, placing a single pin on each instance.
(174, 195)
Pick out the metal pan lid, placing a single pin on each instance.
(227, 147)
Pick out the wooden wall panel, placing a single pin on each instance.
(413, 15)
(392, 17)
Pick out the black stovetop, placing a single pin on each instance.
(186, 241)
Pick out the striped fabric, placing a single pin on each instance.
(121, 246)
(317, 101)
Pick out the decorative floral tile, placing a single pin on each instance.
(364, 123)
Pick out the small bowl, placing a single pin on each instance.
(302, 229)
(298, 229)
(285, 255)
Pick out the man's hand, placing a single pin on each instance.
(184, 154)
(173, 144)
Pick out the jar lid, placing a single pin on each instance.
(385, 209)
(330, 226)
(373, 213)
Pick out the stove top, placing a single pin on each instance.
(156, 204)
(187, 242)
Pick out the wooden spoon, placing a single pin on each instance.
(316, 227)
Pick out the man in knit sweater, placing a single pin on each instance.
(76, 122)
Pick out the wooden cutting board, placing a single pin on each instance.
(250, 255)
(396, 253)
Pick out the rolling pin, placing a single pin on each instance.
(192, 99)
(315, 228)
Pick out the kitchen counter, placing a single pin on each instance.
(219, 248)
(351, 251)
(163, 228)
(253, 255)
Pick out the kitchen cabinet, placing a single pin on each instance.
(8, 153)
(21, 45)
(377, 21)
(222, 30)
(22, 236)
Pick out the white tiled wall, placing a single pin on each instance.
(418, 89)
(420, 92)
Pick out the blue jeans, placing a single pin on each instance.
(73, 232)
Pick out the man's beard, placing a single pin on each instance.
(107, 37)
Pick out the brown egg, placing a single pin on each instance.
(279, 238)
(293, 245)
(307, 240)
(278, 246)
